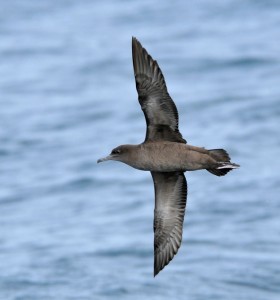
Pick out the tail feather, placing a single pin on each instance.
(220, 155)
(223, 162)
(228, 165)
(219, 172)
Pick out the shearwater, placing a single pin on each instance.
(166, 154)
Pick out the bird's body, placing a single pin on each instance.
(166, 154)
(169, 157)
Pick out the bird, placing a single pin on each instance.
(166, 154)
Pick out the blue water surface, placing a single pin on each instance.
(72, 229)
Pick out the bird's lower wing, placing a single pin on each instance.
(170, 203)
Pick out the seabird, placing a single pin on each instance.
(166, 154)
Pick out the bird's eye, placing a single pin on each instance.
(116, 151)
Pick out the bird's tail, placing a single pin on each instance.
(223, 165)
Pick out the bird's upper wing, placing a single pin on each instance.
(170, 203)
(159, 109)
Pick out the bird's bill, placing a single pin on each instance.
(109, 157)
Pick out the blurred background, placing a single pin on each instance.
(72, 229)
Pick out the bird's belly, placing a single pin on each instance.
(170, 161)
(174, 166)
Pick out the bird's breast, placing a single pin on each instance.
(161, 157)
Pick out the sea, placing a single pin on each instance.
(74, 229)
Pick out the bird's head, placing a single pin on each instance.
(120, 153)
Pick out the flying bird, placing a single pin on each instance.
(166, 154)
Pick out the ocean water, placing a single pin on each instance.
(72, 229)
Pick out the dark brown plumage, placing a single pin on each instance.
(159, 109)
(171, 198)
(166, 155)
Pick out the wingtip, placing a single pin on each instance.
(157, 267)
(135, 43)
(134, 40)
(156, 272)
